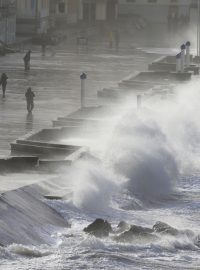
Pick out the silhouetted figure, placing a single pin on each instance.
(30, 99)
(117, 39)
(43, 49)
(27, 59)
(53, 46)
(110, 39)
(169, 20)
(3, 82)
(53, 50)
(175, 22)
(182, 21)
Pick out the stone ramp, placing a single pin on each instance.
(26, 218)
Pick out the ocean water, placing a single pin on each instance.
(145, 169)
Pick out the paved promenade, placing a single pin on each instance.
(55, 81)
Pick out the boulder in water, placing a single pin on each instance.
(164, 228)
(136, 233)
(123, 226)
(99, 228)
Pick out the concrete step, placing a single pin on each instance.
(108, 93)
(137, 85)
(52, 135)
(42, 148)
(53, 165)
(68, 122)
(58, 164)
(18, 163)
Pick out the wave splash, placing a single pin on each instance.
(146, 152)
(29, 251)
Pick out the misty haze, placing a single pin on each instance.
(99, 134)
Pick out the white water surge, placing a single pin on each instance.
(147, 171)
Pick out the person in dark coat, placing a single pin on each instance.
(43, 44)
(27, 59)
(30, 99)
(3, 82)
(117, 39)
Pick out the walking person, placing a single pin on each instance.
(110, 39)
(27, 59)
(43, 49)
(30, 99)
(43, 44)
(117, 39)
(3, 82)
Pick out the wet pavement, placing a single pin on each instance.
(55, 81)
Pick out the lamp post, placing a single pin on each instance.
(83, 77)
(187, 53)
(178, 62)
(198, 28)
(183, 47)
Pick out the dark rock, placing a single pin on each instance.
(188, 233)
(123, 226)
(197, 241)
(139, 230)
(164, 228)
(99, 228)
(136, 233)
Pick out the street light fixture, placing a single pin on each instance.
(198, 28)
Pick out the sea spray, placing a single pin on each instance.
(94, 185)
(138, 158)
(143, 156)
(178, 118)
(145, 152)
(29, 251)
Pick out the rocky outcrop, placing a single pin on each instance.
(164, 228)
(122, 227)
(126, 233)
(197, 241)
(99, 228)
(136, 233)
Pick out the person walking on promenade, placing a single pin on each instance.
(117, 39)
(110, 39)
(3, 82)
(30, 99)
(27, 59)
(43, 49)
(43, 44)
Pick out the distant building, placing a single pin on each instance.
(33, 16)
(193, 12)
(8, 21)
(155, 11)
(58, 12)
(88, 11)
(99, 10)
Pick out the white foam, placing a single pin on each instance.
(29, 251)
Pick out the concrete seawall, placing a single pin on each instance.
(26, 218)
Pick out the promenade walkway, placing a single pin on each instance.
(55, 81)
